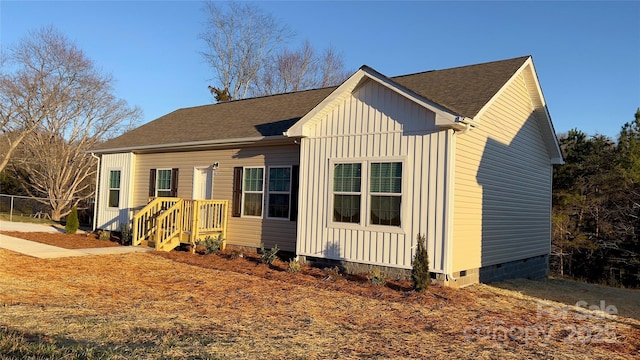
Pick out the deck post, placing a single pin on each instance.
(225, 210)
(195, 224)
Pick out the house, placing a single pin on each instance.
(354, 173)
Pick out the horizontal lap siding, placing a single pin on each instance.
(241, 231)
(502, 186)
(374, 124)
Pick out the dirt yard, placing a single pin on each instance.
(180, 305)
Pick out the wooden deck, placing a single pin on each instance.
(165, 223)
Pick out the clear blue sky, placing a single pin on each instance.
(587, 54)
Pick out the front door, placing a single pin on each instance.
(202, 183)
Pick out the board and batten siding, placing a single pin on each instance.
(374, 124)
(502, 201)
(112, 218)
(241, 231)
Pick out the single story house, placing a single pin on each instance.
(355, 172)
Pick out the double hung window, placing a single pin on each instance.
(114, 188)
(279, 192)
(252, 191)
(377, 194)
(163, 183)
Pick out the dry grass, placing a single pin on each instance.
(180, 305)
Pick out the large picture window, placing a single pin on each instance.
(347, 184)
(385, 187)
(279, 192)
(114, 188)
(252, 191)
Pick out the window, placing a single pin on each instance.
(252, 191)
(347, 192)
(279, 192)
(377, 196)
(114, 188)
(385, 187)
(163, 183)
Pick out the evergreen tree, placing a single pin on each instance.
(420, 271)
(72, 221)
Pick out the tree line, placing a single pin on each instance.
(596, 207)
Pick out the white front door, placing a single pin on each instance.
(202, 183)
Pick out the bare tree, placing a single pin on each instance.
(239, 40)
(295, 70)
(23, 106)
(332, 71)
(61, 106)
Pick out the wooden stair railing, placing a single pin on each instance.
(169, 227)
(167, 222)
(144, 221)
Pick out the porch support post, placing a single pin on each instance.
(195, 224)
(225, 210)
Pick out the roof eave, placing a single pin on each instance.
(196, 145)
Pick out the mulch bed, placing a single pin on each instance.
(66, 241)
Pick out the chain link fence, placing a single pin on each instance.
(12, 207)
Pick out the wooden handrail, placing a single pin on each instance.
(165, 219)
(169, 224)
(144, 221)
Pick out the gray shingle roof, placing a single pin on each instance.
(464, 90)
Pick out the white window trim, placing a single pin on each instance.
(268, 192)
(332, 193)
(158, 179)
(244, 173)
(109, 188)
(365, 196)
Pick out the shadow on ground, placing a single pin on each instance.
(626, 302)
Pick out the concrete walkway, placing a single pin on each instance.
(44, 251)
(28, 227)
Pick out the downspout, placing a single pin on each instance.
(95, 201)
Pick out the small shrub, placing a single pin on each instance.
(268, 256)
(420, 266)
(235, 254)
(376, 278)
(294, 266)
(333, 273)
(212, 245)
(72, 221)
(105, 235)
(125, 234)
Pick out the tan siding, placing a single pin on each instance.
(374, 123)
(502, 186)
(241, 230)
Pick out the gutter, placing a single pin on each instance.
(95, 200)
(463, 124)
(189, 145)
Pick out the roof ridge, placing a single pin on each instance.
(258, 97)
(461, 66)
